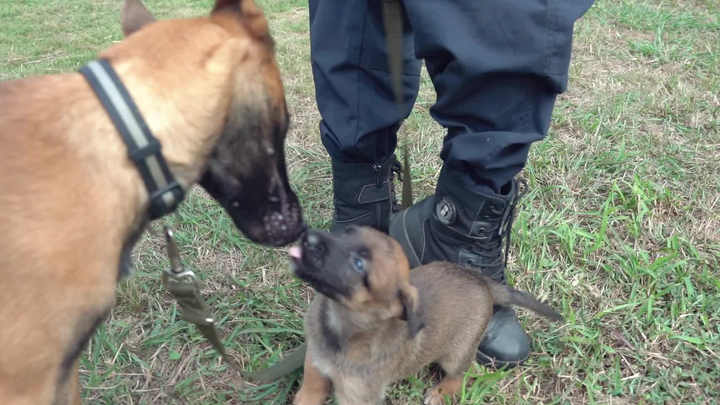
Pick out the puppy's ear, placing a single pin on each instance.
(411, 309)
(135, 16)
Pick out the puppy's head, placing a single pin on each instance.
(363, 269)
(221, 69)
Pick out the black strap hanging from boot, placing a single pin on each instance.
(143, 148)
(392, 12)
(393, 20)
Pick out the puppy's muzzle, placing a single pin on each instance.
(311, 262)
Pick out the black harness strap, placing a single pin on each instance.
(143, 148)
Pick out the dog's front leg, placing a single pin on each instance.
(315, 387)
(75, 384)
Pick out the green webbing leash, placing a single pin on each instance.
(184, 286)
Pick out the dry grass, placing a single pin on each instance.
(620, 230)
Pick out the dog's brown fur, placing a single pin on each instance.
(367, 329)
(72, 204)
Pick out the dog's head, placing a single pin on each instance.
(222, 70)
(362, 269)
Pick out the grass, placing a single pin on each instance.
(620, 229)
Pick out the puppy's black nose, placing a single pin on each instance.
(312, 240)
(314, 248)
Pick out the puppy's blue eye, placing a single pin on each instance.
(359, 264)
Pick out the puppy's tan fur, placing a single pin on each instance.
(396, 323)
(72, 203)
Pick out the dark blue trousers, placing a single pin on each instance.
(497, 67)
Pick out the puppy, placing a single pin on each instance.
(375, 322)
(73, 203)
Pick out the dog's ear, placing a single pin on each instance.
(225, 4)
(411, 309)
(238, 6)
(135, 16)
(246, 10)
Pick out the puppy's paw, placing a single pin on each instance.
(448, 386)
(308, 397)
(435, 396)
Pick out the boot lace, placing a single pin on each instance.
(488, 245)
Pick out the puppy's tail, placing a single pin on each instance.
(506, 296)
(292, 362)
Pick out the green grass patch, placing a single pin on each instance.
(620, 229)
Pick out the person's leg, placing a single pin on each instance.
(497, 67)
(360, 119)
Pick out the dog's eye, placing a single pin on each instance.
(358, 264)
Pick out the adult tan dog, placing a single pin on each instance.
(375, 322)
(73, 203)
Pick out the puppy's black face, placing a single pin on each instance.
(246, 174)
(333, 265)
(362, 269)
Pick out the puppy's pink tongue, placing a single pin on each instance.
(295, 252)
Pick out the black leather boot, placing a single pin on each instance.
(463, 226)
(364, 194)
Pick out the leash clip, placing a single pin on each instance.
(184, 286)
